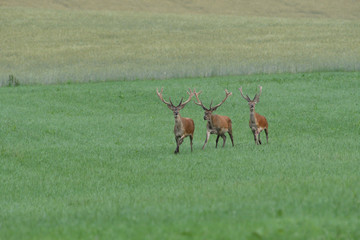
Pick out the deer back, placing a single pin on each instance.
(221, 122)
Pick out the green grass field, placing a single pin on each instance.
(95, 161)
(86, 146)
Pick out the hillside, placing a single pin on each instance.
(340, 9)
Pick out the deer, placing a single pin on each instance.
(216, 124)
(257, 122)
(183, 126)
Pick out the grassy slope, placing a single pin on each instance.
(91, 161)
(59, 44)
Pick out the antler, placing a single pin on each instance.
(173, 104)
(162, 99)
(227, 95)
(247, 97)
(257, 96)
(182, 104)
(198, 100)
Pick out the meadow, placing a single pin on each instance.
(96, 161)
(87, 148)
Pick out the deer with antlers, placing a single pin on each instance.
(216, 124)
(257, 122)
(183, 126)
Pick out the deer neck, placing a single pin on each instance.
(252, 117)
(178, 128)
(212, 117)
(178, 119)
(178, 122)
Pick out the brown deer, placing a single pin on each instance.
(257, 122)
(183, 126)
(216, 124)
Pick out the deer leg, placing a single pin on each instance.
(217, 139)
(259, 138)
(207, 138)
(177, 144)
(191, 139)
(224, 138)
(267, 137)
(231, 137)
(181, 140)
(255, 136)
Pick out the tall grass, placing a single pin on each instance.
(343, 9)
(50, 46)
(95, 161)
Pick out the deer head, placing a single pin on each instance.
(208, 111)
(171, 106)
(253, 102)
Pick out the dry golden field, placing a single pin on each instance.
(60, 41)
(341, 9)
